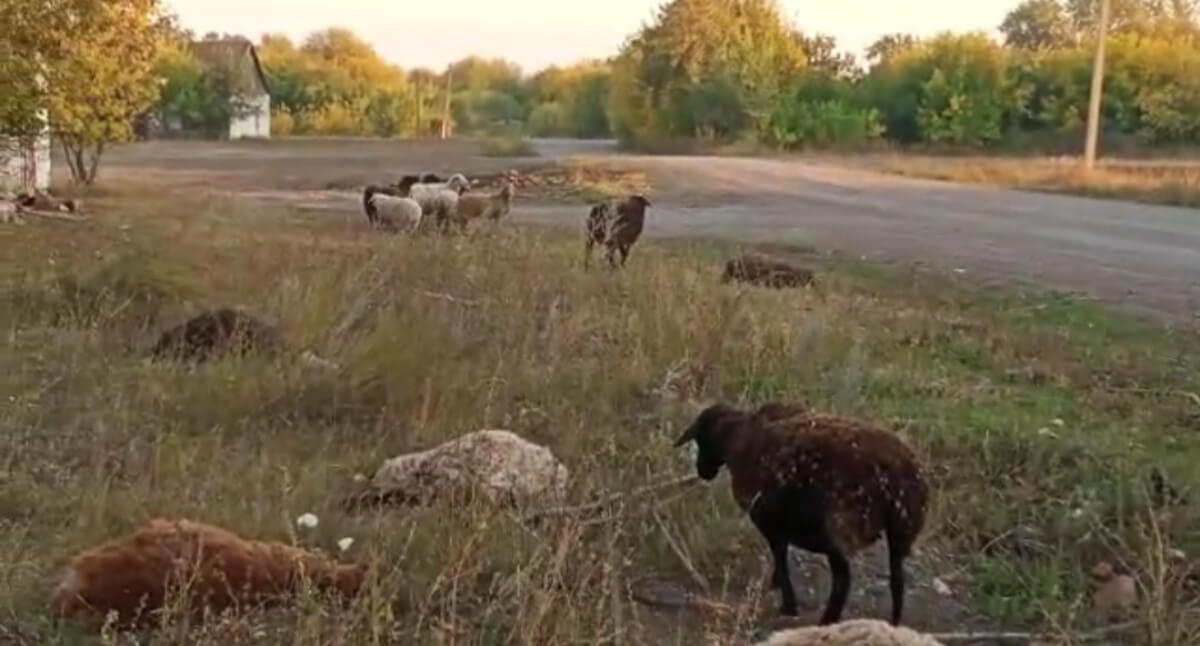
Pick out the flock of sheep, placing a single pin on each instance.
(404, 206)
(829, 485)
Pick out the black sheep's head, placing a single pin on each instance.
(638, 198)
(705, 432)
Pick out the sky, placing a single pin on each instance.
(537, 33)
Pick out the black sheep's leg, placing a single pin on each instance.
(624, 254)
(897, 552)
(587, 251)
(781, 579)
(839, 569)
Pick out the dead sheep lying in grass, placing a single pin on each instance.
(39, 201)
(765, 271)
(856, 632)
(223, 331)
(824, 484)
(10, 213)
(501, 466)
(616, 224)
(137, 574)
(493, 206)
(216, 332)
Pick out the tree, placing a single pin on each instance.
(1036, 25)
(887, 45)
(820, 50)
(709, 68)
(88, 63)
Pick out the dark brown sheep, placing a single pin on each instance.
(765, 271)
(134, 575)
(214, 332)
(616, 225)
(828, 485)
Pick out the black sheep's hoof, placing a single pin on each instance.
(788, 610)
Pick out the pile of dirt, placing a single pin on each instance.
(566, 183)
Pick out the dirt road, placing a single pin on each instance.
(1145, 258)
(1142, 257)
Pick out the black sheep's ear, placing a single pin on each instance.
(706, 419)
(689, 434)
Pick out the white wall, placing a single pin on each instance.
(256, 122)
(24, 170)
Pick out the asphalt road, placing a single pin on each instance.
(1144, 258)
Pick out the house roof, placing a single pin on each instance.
(240, 58)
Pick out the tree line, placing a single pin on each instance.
(721, 71)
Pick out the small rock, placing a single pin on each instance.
(307, 521)
(941, 588)
(1116, 595)
(345, 543)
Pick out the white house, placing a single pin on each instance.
(25, 168)
(252, 96)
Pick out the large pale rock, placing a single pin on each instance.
(859, 632)
(501, 465)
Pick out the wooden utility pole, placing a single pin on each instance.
(446, 106)
(1093, 123)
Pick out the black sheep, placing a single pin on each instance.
(824, 484)
(616, 225)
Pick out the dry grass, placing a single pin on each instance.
(1152, 182)
(1040, 418)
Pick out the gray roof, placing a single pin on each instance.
(240, 58)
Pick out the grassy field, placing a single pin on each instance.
(1153, 182)
(1040, 417)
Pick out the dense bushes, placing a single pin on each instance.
(705, 67)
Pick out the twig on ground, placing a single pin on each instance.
(1028, 638)
(55, 215)
(448, 298)
(581, 509)
(678, 549)
(1193, 397)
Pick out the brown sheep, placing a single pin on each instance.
(758, 269)
(474, 205)
(136, 574)
(828, 485)
(616, 225)
(210, 333)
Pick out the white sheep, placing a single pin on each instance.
(396, 213)
(440, 199)
(858, 632)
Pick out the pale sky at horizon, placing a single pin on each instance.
(537, 33)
